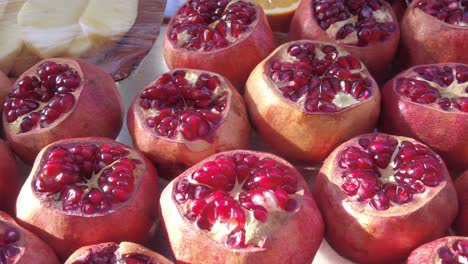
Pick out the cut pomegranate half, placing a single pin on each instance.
(18, 245)
(241, 206)
(447, 250)
(382, 196)
(92, 184)
(434, 31)
(368, 29)
(122, 253)
(324, 92)
(430, 103)
(228, 37)
(57, 99)
(185, 116)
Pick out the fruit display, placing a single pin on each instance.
(229, 37)
(378, 194)
(318, 85)
(241, 207)
(368, 29)
(93, 184)
(185, 116)
(57, 99)
(252, 131)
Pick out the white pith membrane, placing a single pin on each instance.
(10, 248)
(279, 9)
(200, 143)
(115, 171)
(446, 251)
(112, 253)
(380, 16)
(256, 232)
(184, 38)
(452, 91)
(387, 176)
(15, 127)
(342, 99)
(453, 6)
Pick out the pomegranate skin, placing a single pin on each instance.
(313, 135)
(296, 241)
(427, 253)
(376, 56)
(174, 157)
(82, 254)
(235, 61)
(423, 39)
(65, 232)
(32, 249)
(444, 132)
(10, 181)
(365, 236)
(5, 87)
(460, 225)
(97, 112)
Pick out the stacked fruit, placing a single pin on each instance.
(314, 101)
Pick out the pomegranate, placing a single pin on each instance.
(435, 31)
(460, 225)
(241, 207)
(123, 253)
(430, 103)
(185, 116)
(80, 190)
(368, 29)
(327, 93)
(5, 86)
(10, 181)
(57, 99)
(447, 250)
(229, 37)
(381, 196)
(18, 245)
(399, 7)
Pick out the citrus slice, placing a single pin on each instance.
(279, 12)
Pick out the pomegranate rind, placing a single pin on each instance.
(296, 241)
(446, 132)
(364, 235)
(10, 180)
(314, 135)
(98, 112)
(235, 61)
(64, 231)
(34, 250)
(460, 225)
(424, 39)
(122, 248)
(5, 87)
(377, 56)
(427, 253)
(173, 157)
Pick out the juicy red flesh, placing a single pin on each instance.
(89, 178)
(423, 92)
(319, 80)
(226, 189)
(367, 28)
(451, 11)
(191, 111)
(211, 24)
(414, 168)
(457, 253)
(41, 99)
(9, 251)
(104, 255)
(135, 258)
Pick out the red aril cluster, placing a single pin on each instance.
(223, 36)
(447, 250)
(382, 195)
(308, 97)
(241, 206)
(92, 185)
(185, 116)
